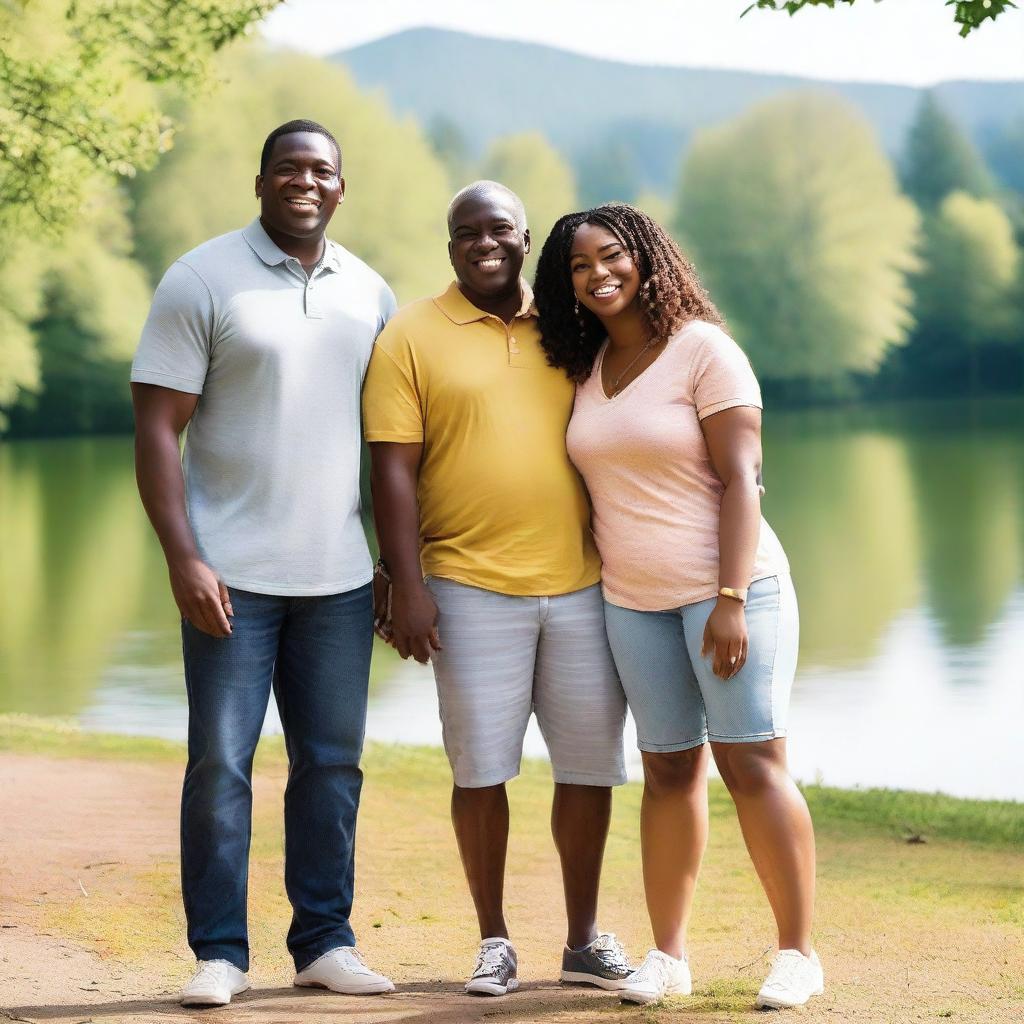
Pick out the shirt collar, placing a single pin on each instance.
(262, 244)
(461, 311)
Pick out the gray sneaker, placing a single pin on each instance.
(603, 963)
(495, 972)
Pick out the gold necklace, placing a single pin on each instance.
(615, 383)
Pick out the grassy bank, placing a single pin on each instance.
(934, 928)
(897, 814)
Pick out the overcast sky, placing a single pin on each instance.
(911, 41)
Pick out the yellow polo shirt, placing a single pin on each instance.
(501, 506)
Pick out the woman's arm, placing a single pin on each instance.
(734, 443)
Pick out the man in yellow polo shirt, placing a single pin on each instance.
(484, 530)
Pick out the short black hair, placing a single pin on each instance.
(292, 128)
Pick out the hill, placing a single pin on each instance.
(490, 87)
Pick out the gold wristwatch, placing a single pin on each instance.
(736, 593)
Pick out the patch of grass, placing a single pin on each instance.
(27, 734)
(931, 815)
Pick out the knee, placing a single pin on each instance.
(748, 769)
(673, 772)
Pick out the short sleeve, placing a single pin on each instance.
(391, 400)
(174, 350)
(388, 305)
(722, 375)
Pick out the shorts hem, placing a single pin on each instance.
(482, 781)
(668, 748)
(618, 778)
(756, 737)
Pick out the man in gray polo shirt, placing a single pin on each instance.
(258, 341)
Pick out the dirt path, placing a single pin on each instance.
(92, 929)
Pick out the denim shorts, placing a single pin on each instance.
(503, 658)
(677, 701)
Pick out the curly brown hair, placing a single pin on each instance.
(671, 293)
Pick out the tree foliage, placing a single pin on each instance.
(530, 166)
(964, 295)
(793, 216)
(78, 90)
(968, 14)
(940, 159)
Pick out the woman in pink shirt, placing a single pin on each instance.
(699, 605)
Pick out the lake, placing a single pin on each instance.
(904, 527)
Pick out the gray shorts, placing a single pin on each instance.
(503, 657)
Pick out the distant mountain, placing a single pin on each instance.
(489, 87)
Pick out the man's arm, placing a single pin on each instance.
(161, 414)
(394, 472)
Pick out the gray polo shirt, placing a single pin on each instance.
(271, 456)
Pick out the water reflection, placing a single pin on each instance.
(905, 530)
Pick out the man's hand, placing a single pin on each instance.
(725, 637)
(414, 621)
(201, 597)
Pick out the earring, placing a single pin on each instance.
(580, 320)
(576, 307)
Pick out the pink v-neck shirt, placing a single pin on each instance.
(655, 494)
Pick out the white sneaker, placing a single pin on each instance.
(213, 984)
(793, 979)
(658, 976)
(343, 970)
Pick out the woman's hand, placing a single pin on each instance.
(725, 638)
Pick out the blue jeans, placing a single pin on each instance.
(315, 653)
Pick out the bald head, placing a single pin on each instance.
(483, 190)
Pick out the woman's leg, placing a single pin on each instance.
(746, 726)
(651, 655)
(673, 835)
(778, 832)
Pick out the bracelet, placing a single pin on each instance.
(735, 593)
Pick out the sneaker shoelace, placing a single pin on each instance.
(654, 968)
(489, 959)
(215, 971)
(786, 971)
(351, 959)
(609, 951)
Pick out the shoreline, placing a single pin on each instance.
(914, 815)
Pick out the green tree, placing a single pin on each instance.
(95, 300)
(968, 14)
(940, 159)
(530, 166)
(964, 296)
(393, 215)
(795, 221)
(1004, 153)
(78, 89)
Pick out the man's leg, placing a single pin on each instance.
(480, 818)
(581, 709)
(580, 816)
(321, 684)
(228, 683)
(484, 674)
